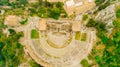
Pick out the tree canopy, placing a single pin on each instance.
(11, 50)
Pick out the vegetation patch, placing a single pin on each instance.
(41, 8)
(11, 51)
(24, 21)
(84, 17)
(108, 56)
(17, 11)
(118, 13)
(83, 37)
(34, 64)
(85, 63)
(34, 34)
(98, 2)
(77, 36)
(46, 9)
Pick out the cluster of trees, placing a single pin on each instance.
(46, 9)
(2, 22)
(116, 23)
(99, 2)
(100, 26)
(118, 13)
(109, 55)
(4, 2)
(11, 51)
(17, 7)
(42, 8)
(104, 5)
(14, 4)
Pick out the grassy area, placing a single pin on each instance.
(34, 34)
(17, 11)
(85, 63)
(77, 36)
(83, 37)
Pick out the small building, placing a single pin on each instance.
(78, 6)
(12, 20)
(42, 25)
(76, 26)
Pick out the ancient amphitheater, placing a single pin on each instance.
(57, 45)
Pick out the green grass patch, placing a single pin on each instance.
(17, 11)
(83, 37)
(85, 63)
(77, 36)
(34, 34)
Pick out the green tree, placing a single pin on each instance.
(116, 23)
(10, 49)
(55, 13)
(4, 2)
(99, 2)
(97, 58)
(104, 40)
(59, 5)
(91, 23)
(118, 13)
(103, 6)
(41, 11)
(24, 21)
